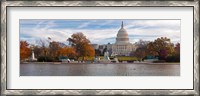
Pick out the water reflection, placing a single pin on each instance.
(99, 69)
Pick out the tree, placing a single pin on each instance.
(54, 50)
(151, 49)
(25, 51)
(43, 47)
(142, 43)
(176, 56)
(68, 52)
(82, 45)
(161, 47)
(177, 49)
(97, 52)
(89, 51)
(163, 54)
(140, 52)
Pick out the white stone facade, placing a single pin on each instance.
(122, 46)
(123, 49)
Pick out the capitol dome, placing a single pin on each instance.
(122, 36)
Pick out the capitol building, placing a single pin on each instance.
(121, 47)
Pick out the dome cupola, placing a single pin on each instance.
(122, 35)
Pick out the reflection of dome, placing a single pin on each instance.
(122, 36)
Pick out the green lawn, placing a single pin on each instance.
(127, 58)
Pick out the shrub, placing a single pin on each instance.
(44, 59)
(127, 58)
(173, 58)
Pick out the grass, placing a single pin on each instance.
(87, 58)
(127, 58)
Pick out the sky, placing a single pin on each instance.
(98, 31)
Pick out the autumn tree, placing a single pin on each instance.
(161, 47)
(69, 52)
(142, 43)
(89, 51)
(42, 50)
(24, 50)
(82, 45)
(53, 49)
(43, 47)
(177, 49)
(140, 51)
(176, 56)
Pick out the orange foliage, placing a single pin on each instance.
(87, 51)
(24, 50)
(82, 45)
(54, 49)
(90, 52)
(160, 44)
(67, 51)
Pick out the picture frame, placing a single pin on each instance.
(4, 58)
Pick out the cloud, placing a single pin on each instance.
(154, 23)
(84, 25)
(137, 29)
